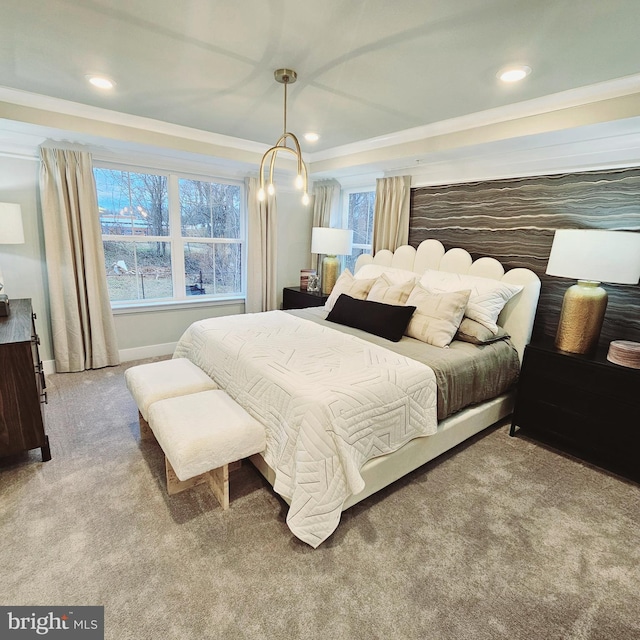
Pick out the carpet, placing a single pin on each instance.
(501, 538)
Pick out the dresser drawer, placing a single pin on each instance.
(570, 372)
(595, 405)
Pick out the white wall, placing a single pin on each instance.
(23, 265)
(143, 334)
(294, 239)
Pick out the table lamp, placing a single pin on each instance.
(332, 243)
(11, 232)
(590, 256)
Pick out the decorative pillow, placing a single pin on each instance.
(396, 276)
(437, 316)
(346, 283)
(385, 320)
(383, 290)
(487, 298)
(476, 333)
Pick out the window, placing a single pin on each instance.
(168, 237)
(357, 211)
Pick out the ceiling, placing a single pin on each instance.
(366, 69)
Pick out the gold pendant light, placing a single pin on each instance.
(285, 77)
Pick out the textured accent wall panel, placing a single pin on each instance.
(514, 220)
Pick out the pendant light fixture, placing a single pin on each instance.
(285, 77)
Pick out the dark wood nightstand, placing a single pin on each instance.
(584, 405)
(297, 298)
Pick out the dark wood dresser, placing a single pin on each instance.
(22, 383)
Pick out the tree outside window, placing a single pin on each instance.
(210, 210)
(358, 209)
(153, 252)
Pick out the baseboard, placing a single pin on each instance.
(150, 351)
(127, 355)
(48, 367)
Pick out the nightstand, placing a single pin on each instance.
(584, 405)
(297, 298)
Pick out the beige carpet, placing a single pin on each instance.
(503, 539)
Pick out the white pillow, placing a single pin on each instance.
(383, 290)
(396, 276)
(346, 283)
(487, 299)
(437, 315)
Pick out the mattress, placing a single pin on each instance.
(466, 374)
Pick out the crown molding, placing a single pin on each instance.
(89, 112)
(590, 94)
(113, 134)
(566, 99)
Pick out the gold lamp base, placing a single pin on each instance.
(581, 317)
(330, 268)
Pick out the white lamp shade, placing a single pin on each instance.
(11, 231)
(331, 242)
(595, 254)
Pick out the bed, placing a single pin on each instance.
(293, 368)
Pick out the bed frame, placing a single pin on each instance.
(517, 318)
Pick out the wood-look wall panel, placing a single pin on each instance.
(514, 221)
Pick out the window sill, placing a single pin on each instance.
(171, 305)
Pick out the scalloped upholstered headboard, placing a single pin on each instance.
(519, 313)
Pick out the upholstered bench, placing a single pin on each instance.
(201, 434)
(155, 381)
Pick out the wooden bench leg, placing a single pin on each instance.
(219, 484)
(145, 430)
(175, 485)
(218, 480)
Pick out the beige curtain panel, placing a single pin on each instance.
(262, 227)
(391, 213)
(326, 198)
(82, 323)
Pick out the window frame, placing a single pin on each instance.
(177, 241)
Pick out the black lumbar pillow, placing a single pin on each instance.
(385, 320)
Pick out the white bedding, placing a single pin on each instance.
(329, 402)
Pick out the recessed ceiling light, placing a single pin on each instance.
(513, 74)
(101, 82)
(311, 137)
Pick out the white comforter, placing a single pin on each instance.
(329, 402)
